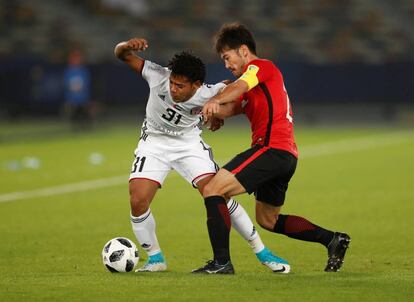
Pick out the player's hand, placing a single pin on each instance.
(137, 44)
(210, 108)
(215, 124)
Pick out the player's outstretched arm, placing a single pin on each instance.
(228, 109)
(126, 52)
(227, 96)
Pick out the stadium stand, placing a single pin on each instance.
(332, 52)
(318, 32)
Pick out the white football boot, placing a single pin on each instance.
(155, 263)
(276, 264)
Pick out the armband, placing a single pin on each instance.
(250, 76)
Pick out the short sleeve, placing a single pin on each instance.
(210, 90)
(217, 88)
(154, 73)
(256, 72)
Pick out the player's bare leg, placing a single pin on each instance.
(224, 183)
(142, 192)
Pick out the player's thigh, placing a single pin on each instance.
(224, 183)
(200, 184)
(142, 190)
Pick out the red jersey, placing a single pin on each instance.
(267, 106)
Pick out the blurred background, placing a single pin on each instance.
(344, 61)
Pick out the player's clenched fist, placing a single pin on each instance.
(137, 44)
(125, 51)
(215, 124)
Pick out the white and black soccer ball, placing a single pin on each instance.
(120, 255)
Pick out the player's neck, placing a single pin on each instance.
(251, 57)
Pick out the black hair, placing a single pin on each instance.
(188, 65)
(232, 36)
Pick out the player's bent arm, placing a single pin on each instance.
(232, 92)
(125, 51)
(228, 109)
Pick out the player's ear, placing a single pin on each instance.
(244, 50)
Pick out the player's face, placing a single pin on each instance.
(181, 88)
(233, 61)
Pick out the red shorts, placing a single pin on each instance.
(265, 171)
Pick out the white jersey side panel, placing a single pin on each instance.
(163, 115)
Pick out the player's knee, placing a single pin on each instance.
(209, 190)
(227, 197)
(215, 188)
(139, 205)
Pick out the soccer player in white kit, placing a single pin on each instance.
(170, 139)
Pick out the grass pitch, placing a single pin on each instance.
(55, 218)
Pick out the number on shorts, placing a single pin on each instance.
(141, 166)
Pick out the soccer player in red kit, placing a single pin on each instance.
(267, 167)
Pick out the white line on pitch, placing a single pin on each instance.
(343, 146)
(67, 188)
(366, 142)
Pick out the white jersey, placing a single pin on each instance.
(163, 115)
(170, 136)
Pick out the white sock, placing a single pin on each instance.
(244, 225)
(143, 227)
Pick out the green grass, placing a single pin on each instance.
(50, 246)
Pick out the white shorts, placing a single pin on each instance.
(155, 157)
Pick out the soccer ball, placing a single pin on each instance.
(120, 255)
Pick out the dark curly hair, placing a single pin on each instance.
(232, 36)
(188, 65)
